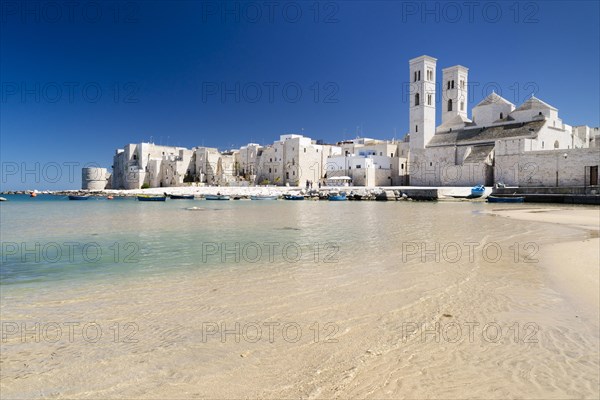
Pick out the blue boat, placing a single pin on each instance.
(75, 197)
(496, 199)
(151, 198)
(293, 197)
(477, 191)
(337, 197)
(263, 197)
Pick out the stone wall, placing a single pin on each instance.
(539, 168)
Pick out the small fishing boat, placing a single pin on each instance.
(110, 198)
(33, 194)
(293, 197)
(3, 199)
(77, 197)
(337, 197)
(216, 197)
(146, 197)
(477, 191)
(181, 197)
(496, 199)
(263, 197)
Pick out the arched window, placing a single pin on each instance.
(419, 75)
(501, 115)
(417, 99)
(452, 84)
(450, 105)
(556, 144)
(448, 88)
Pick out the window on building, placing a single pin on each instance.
(270, 160)
(358, 166)
(416, 128)
(542, 144)
(450, 105)
(415, 76)
(419, 75)
(391, 154)
(287, 175)
(275, 150)
(501, 115)
(556, 144)
(293, 172)
(401, 166)
(452, 84)
(305, 149)
(269, 170)
(428, 99)
(429, 75)
(381, 153)
(430, 164)
(462, 106)
(448, 88)
(462, 84)
(416, 99)
(135, 156)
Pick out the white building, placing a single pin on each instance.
(464, 152)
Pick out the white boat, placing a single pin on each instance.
(216, 197)
(263, 197)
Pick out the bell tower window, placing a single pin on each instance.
(501, 115)
(450, 105)
(428, 99)
(417, 99)
(416, 128)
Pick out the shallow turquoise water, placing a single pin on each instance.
(50, 239)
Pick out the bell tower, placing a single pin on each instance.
(422, 101)
(454, 92)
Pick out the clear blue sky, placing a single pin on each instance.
(84, 78)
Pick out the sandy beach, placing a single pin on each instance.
(410, 300)
(574, 266)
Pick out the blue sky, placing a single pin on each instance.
(80, 79)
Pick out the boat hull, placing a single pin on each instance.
(181, 197)
(263, 197)
(78, 197)
(217, 197)
(495, 199)
(152, 198)
(293, 197)
(337, 198)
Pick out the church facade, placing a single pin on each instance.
(526, 145)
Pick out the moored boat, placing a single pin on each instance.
(146, 197)
(216, 197)
(512, 199)
(3, 199)
(477, 191)
(337, 197)
(293, 197)
(77, 197)
(181, 197)
(259, 197)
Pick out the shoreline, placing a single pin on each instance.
(571, 265)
